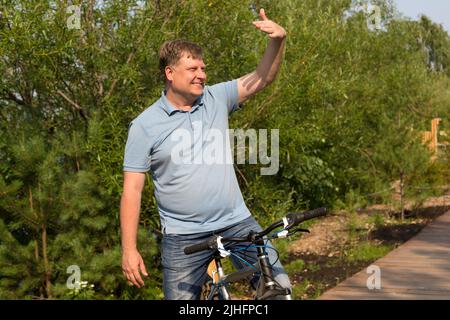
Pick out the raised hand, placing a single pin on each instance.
(274, 30)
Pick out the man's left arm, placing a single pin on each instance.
(269, 65)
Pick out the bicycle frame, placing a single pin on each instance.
(266, 287)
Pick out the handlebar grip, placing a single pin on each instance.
(296, 218)
(315, 213)
(200, 246)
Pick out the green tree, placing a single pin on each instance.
(401, 156)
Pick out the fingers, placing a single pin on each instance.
(132, 267)
(271, 28)
(134, 277)
(130, 278)
(137, 279)
(126, 277)
(262, 23)
(262, 14)
(264, 27)
(267, 28)
(143, 269)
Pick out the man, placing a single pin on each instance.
(195, 200)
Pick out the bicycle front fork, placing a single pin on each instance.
(268, 288)
(223, 289)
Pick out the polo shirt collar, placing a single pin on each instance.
(170, 109)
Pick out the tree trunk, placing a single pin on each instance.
(36, 242)
(401, 197)
(77, 162)
(48, 284)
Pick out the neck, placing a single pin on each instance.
(179, 101)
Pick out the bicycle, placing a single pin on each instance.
(267, 287)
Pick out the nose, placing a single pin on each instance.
(201, 74)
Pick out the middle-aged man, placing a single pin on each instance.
(196, 199)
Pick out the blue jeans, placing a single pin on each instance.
(184, 275)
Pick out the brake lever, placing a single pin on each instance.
(287, 233)
(299, 230)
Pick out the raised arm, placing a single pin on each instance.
(269, 65)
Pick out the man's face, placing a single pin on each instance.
(187, 77)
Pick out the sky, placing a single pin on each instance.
(436, 10)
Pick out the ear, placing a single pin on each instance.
(169, 73)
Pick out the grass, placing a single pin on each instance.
(306, 289)
(294, 266)
(367, 251)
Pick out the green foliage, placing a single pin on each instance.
(295, 266)
(368, 252)
(377, 220)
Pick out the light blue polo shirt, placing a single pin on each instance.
(189, 156)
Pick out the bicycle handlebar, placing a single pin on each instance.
(296, 218)
(205, 245)
(293, 219)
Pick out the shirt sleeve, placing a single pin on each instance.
(137, 150)
(228, 92)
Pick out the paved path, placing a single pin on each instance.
(418, 269)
